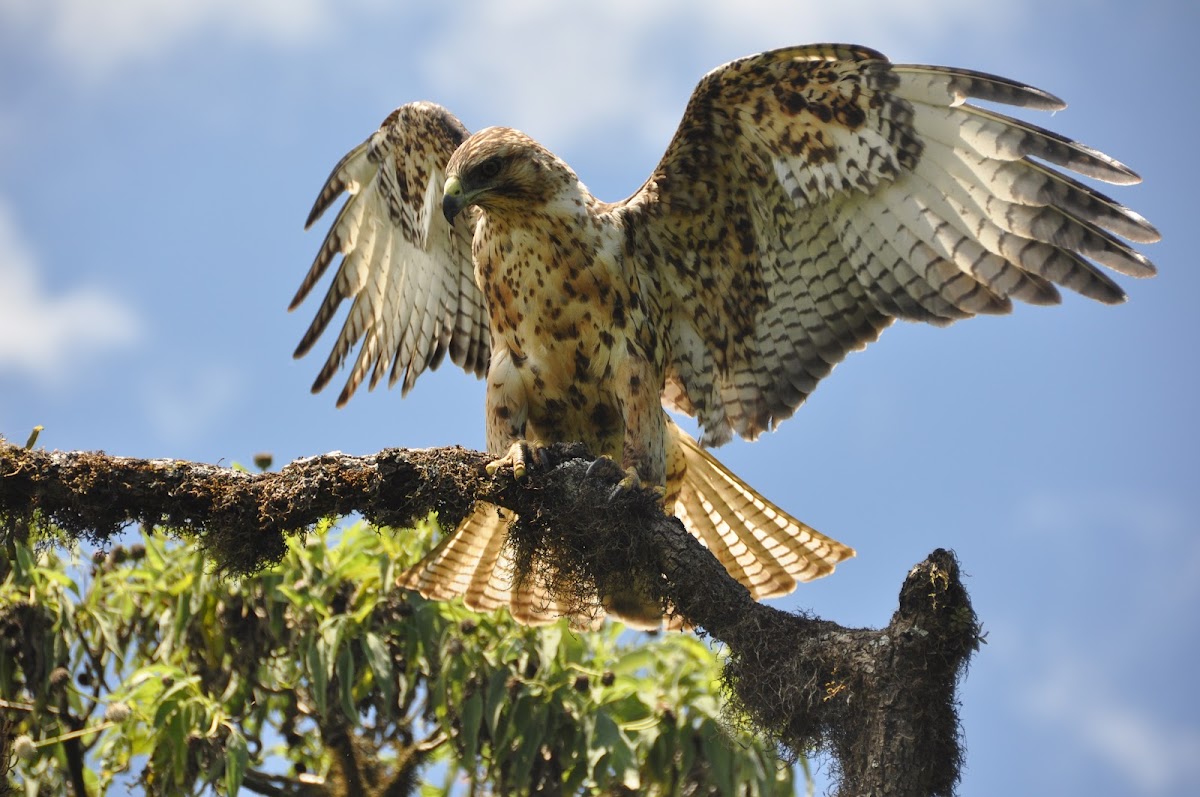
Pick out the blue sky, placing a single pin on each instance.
(159, 160)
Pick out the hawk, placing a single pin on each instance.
(811, 196)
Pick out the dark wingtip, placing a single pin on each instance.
(313, 215)
(332, 189)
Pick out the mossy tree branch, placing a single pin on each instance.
(881, 701)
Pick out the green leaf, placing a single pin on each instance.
(319, 674)
(497, 699)
(471, 719)
(25, 561)
(548, 640)
(618, 759)
(166, 707)
(345, 676)
(635, 662)
(524, 737)
(380, 661)
(718, 754)
(237, 756)
(53, 576)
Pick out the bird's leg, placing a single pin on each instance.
(521, 457)
(643, 455)
(507, 414)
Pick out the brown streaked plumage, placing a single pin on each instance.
(810, 197)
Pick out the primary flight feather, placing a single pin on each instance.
(810, 196)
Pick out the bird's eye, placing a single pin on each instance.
(489, 168)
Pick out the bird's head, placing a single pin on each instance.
(498, 169)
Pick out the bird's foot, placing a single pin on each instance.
(630, 480)
(522, 456)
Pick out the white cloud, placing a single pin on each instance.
(560, 69)
(1155, 755)
(520, 61)
(47, 335)
(93, 39)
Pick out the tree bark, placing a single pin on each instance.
(882, 702)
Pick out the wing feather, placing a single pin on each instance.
(938, 85)
(407, 273)
(813, 194)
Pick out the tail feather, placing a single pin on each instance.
(450, 568)
(745, 557)
(474, 562)
(488, 589)
(762, 546)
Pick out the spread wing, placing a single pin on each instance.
(812, 195)
(407, 271)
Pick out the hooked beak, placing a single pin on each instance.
(453, 199)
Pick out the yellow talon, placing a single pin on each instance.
(519, 455)
(631, 481)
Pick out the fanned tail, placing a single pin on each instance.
(763, 547)
(475, 562)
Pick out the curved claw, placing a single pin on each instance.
(631, 481)
(604, 465)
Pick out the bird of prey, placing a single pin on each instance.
(810, 196)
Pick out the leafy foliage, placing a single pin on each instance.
(319, 677)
